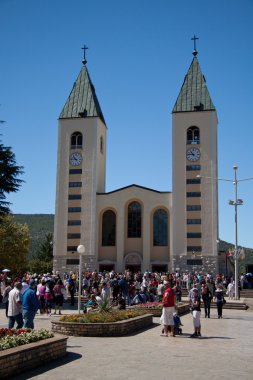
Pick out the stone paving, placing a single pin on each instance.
(224, 351)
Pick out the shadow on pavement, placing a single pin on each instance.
(71, 356)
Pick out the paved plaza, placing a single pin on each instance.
(224, 351)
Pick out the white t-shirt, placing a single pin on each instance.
(14, 308)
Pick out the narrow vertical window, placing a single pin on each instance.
(101, 145)
(134, 220)
(109, 228)
(160, 228)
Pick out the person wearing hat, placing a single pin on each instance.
(30, 305)
(168, 301)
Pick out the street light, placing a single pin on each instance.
(236, 202)
(80, 250)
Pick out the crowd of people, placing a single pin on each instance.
(27, 294)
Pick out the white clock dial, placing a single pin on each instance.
(193, 154)
(75, 159)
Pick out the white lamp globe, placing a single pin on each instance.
(81, 249)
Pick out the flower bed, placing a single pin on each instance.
(17, 354)
(12, 338)
(79, 326)
(102, 317)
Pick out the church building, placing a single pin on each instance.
(135, 227)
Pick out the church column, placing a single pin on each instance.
(120, 238)
(146, 239)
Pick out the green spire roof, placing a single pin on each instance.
(194, 95)
(82, 101)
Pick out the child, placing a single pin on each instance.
(177, 324)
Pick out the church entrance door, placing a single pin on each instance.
(133, 262)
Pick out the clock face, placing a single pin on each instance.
(193, 154)
(75, 159)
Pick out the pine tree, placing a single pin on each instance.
(9, 172)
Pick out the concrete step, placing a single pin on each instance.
(232, 305)
(246, 293)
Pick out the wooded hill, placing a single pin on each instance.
(39, 226)
(42, 224)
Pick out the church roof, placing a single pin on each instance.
(82, 101)
(194, 95)
(134, 185)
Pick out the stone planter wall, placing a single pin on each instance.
(22, 358)
(157, 312)
(103, 329)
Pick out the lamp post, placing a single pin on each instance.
(236, 202)
(80, 250)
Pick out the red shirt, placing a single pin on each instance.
(168, 298)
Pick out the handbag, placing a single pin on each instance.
(224, 301)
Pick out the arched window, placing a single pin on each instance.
(134, 220)
(109, 228)
(193, 136)
(76, 140)
(160, 228)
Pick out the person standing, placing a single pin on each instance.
(30, 305)
(58, 296)
(6, 296)
(168, 301)
(231, 290)
(15, 307)
(219, 300)
(72, 289)
(207, 298)
(195, 306)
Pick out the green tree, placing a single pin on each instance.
(14, 244)
(9, 181)
(45, 251)
(42, 261)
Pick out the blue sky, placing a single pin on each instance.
(139, 52)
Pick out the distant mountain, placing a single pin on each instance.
(39, 226)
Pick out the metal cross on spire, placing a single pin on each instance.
(84, 48)
(195, 51)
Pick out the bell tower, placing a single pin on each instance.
(81, 163)
(195, 191)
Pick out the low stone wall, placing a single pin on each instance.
(157, 312)
(103, 329)
(22, 358)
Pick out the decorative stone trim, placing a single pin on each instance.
(119, 328)
(22, 358)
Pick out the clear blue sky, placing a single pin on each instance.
(139, 52)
